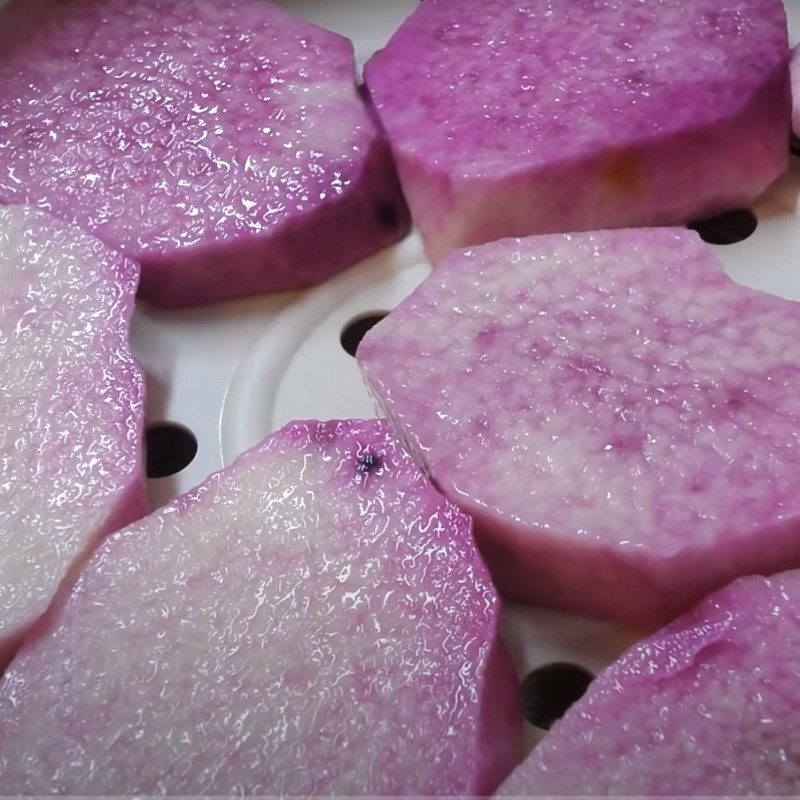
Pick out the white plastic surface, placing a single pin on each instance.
(236, 372)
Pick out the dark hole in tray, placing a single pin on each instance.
(550, 690)
(170, 448)
(735, 226)
(388, 216)
(358, 328)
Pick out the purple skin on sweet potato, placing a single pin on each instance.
(222, 144)
(72, 408)
(707, 707)
(621, 419)
(314, 620)
(794, 69)
(513, 118)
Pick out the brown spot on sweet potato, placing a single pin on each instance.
(623, 172)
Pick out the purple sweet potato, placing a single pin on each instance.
(314, 620)
(621, 418)
(222, 144)
(513, 118)
(707, 707)
(71, 409)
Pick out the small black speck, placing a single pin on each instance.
(794, 145)
(368, 463)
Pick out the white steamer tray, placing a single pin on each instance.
(234, 373)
